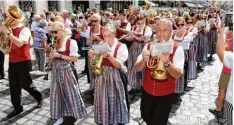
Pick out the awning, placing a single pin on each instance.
(190, 5)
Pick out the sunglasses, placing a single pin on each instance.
(189, 22)
(54, 31)
(212, 12)
(180, 25)
(203, 18)
(94, 21)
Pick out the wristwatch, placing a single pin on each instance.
(167, 65)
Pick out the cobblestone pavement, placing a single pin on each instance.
(190, 109)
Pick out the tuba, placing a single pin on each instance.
(148, 7)
(13, 13)
(159, 72)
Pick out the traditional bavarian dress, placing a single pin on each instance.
(110, 105)
(189, 65)
(212, 36)
(65, 98)
(125, 25)
(135, 78)
(201, 44)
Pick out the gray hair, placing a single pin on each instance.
(164, 20)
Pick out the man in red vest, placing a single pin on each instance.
(19, 66)
(158, 95)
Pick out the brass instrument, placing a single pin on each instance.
(14, 13)
(148, 7)
(159, 72)
(96, 62)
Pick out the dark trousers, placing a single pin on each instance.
(2, 59)
(19, 78)
(87, 65)
(155, 109)
(82, 44)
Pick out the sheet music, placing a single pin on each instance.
(163, 47)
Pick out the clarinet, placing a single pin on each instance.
(51, 48)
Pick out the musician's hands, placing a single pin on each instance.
(146, 55)
(164, 57)
(95, 37)
(91, 53)
(105, 54)
(54, 54)
(4, 29)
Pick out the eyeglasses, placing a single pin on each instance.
(94, 21)
(180, 25)
(212, 12)
(189, 22)
(203, 18)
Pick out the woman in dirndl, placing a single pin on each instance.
(214, 21)
(201, 42)
(140, 34)
(65, 98)
(183, 37)
(110, 106)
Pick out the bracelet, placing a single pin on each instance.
(60, 56)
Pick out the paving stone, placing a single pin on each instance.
(21, 121)
(36, 118)
(30, 122)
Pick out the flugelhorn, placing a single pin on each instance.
(96, 62)
(158, 47)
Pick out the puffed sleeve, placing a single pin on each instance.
(178, 59)
(73, 48)
(122, 54)
(148, 32)
(24, 35)
(139, 58)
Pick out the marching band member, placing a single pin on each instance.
(158, 96)
(95, 36)
(215, 22)
(65, 98)
(109, 97)
(201, 41)
(19, 64)
(181, 36)
(141, 33)
(123, 29)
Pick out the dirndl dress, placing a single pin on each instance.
(65, 98)
(192, 67)
(135, 79)
(110, 106)
(212, 41)
(201, 44)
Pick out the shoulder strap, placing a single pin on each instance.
(174, 50)
(149, 45)
(116, 49)
(134, 28)
(68, 45)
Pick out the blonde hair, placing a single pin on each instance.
(110, 27)
(60, 25)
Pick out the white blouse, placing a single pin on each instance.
(148, 31)
(122, 52)
(73, 47)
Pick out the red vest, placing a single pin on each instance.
(67, 51)
(120, 33)
(100, 35)
(106, 62)
(155, 87)
(19, 54)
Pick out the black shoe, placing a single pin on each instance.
(40, 104)
(13, 114)
(218, 114)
